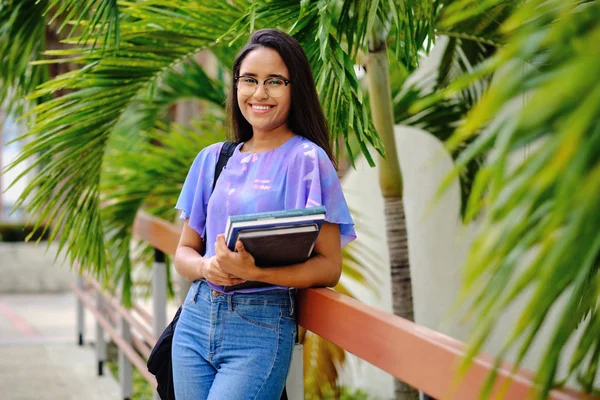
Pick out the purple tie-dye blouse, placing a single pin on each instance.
(297, 174)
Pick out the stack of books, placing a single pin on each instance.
(276, 238)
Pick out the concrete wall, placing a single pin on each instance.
(27, 268)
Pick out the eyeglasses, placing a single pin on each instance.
(275, 87)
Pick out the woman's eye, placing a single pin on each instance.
(249, 81)
(275, 82)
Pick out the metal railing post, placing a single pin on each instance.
(80, 283)
(295, 380)
(125, 367)
(100, 342)
(159, 293)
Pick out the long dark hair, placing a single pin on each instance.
(306, 116)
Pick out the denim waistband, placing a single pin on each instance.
(275, 297)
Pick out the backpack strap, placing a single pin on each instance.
(224, 156)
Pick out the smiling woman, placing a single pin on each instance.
(264, 105)
(269, 54)
(238, 345)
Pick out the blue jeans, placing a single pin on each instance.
(233, 346)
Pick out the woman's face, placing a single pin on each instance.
(263, 111)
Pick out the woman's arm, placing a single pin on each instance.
(192, 266)
(324, 268)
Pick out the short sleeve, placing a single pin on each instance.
(197, 188)
(312, 181)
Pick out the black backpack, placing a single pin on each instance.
(159, 362)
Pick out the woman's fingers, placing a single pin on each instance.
(217, 276)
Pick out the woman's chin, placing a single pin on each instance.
(262, 126)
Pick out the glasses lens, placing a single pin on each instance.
(247, 86)
(275, 87)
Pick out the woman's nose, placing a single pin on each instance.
(261, 92)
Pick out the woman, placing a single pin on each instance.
(238, 345)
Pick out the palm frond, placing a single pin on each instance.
(322, 360)
(539, 233)
(441, 117)
(190, 81)
(337, 83)
(22, 39)
(479, 27)
(360, 263)
(408, 26)
(98, 18)
(187, 80)
(468, 44)
(146, 173)
(143, 152)
(72, 131)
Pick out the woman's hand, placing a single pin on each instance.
(215, 274)
(239, 263)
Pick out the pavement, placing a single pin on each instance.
(39, 354)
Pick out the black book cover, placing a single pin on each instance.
(276, 248)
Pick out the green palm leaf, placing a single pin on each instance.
(468, 44)
(187, 80)
(441, 117)
(99, 19)
(23, 33)
(321, 362)
(539, 236)
(146, 173)
(144, 160)
(78, 125)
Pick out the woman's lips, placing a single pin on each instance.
(261, 108)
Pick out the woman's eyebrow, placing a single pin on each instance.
(253, 75)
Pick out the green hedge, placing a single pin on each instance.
(18, 232)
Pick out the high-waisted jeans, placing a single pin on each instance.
(233, 346)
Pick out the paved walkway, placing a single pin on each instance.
(39, 357)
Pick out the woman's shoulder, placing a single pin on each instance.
(214, 148)
(208, 153)
(304, 147)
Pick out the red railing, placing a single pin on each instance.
(421, 357)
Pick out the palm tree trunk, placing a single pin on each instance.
(390, 180)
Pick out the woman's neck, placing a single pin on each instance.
(262, 141)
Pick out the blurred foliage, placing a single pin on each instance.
(539, 236)
(23, 37)
(466, 45)
(148, 172)
(95, 19)
(338, 393)
(142, 390)
(78, 125)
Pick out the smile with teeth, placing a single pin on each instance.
(258, 107)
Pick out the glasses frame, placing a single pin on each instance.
(237, 78)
